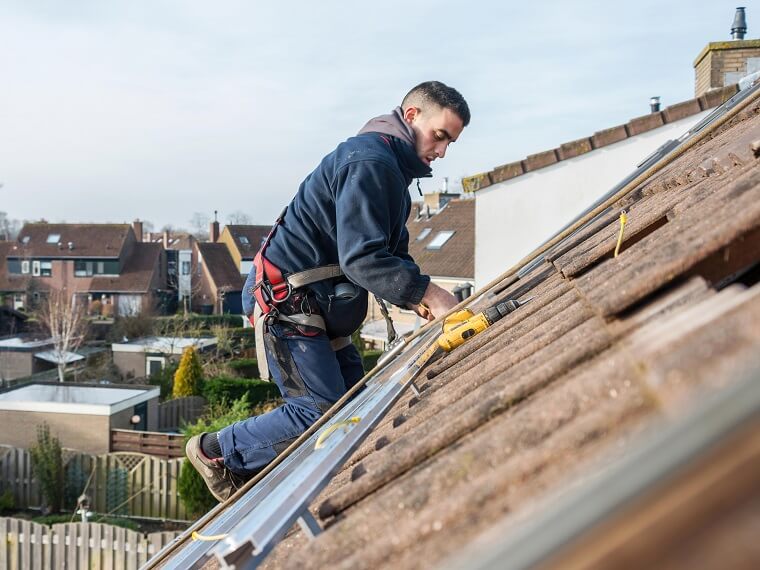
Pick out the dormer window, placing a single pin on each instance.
(439, 240)
(53, 238)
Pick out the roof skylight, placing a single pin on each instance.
(423, 234)
(439, 240)
(53, 238)
(244, 240)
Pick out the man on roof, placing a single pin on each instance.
(343, 234)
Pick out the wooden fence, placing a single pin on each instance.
(25, 545)
(166, 445)
(129, 484)
(173, 413)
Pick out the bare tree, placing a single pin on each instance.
(199, 224)
(9, 228)
(239, 218)
(65, 320)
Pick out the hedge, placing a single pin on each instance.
(245, 367)
(225, 388)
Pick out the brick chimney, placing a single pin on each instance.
(721, 64)
(166, 239)
(213, 229)
(137, 225)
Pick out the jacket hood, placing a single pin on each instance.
(403, 141)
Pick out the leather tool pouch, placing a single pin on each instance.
(343, 305)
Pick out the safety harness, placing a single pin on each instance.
(272, 288)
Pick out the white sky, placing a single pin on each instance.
(110, 111)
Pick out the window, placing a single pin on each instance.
(439, 240)
(185, 268)
(110, 267)
(101, 268)
(46, 268)
(244, 240)
(25, 267)
(14, 266)
(423, 234)
(82, 268)
(25, 240)
(53, 238)
(36, 268)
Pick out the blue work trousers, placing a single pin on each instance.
(310, 376)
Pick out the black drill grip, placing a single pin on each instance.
(500, 310)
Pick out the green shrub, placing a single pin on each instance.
(192, 489)
(165, 379)
(47, 466)
(188, 380)
(223, 388)
(370, 359)
(7, 502)
(245, 367)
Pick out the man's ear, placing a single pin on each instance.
(410, 114)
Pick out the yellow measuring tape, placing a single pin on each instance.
(329, 431)
(210, 538)
(623, 221)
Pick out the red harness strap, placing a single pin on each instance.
(270, 288)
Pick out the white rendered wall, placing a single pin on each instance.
(514, 217)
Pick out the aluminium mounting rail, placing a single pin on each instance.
(253, 525)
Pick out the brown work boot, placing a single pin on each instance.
(220, 481)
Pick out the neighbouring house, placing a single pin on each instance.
(178, 249)
(243, 242)
(22, 356)
(106, 265)
(217, 282)
(442, 243)
(145, 357)
(566, 179)
(80, 415)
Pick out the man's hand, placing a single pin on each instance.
(436, 302)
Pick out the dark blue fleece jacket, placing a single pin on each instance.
(352, 210)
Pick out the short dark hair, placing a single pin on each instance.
(440, 94)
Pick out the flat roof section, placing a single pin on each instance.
(163, 344)
(63, 399)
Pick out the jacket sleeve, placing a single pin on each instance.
(368, 205)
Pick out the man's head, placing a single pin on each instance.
(437, 113)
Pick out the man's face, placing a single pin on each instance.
(435, 129)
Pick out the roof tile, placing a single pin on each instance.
(575, 148)
(540, 160)
(644, 123)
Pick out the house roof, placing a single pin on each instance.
(456, 257)
(600, 139)
(88, 240)
(609, 350)
(136, 274)
(220, 266)
(248, 238)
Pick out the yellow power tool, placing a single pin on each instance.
(463, 325)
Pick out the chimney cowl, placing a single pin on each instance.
(71, 245)
(654, 104)
(739, 27)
